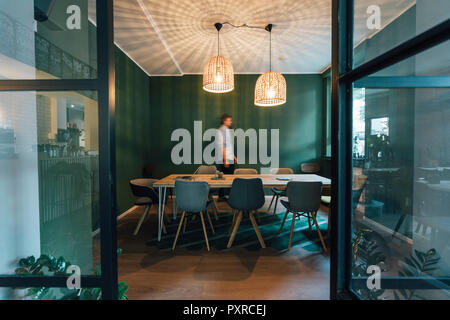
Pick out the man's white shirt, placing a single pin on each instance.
(225, 140)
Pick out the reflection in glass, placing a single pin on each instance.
(49, 189)
(401, 187)
(384, 24)
(47, 39)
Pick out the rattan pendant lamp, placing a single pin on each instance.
(218, 75)
(270, 89)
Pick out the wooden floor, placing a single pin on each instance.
(234, 274)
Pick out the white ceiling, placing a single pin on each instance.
(176, 37)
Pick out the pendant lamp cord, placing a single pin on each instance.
(218, 43)
(270, 67)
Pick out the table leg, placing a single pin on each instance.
(174, 203)
(159, 212)
(161, 217)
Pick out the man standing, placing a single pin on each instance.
(226, 145)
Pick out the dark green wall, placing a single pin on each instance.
(132, 126)
(176, 102)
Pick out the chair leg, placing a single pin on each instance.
(236, 226)
(204, 230)
(164, 227)
(318, 230)
(292, 231)
(276, 203)
(270, 205)
(141, 220)
(309, 223)
(257, 216)
(210, 222)
(232, 222)
(216, 211)
(185, 225)
(329, 225)
(178, 231)
(284, 220)
(258, 232)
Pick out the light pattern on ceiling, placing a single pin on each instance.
(175, 37)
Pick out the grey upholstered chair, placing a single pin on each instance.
(245, 171)
(192, 198)
(303, 200)
(310, 168)
(246, 196)
(278, 192)
(203, 169)
(146, 196)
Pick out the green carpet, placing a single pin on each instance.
(269, 225)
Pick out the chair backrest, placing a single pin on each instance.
(281, 171)
(245, 171)
(310, 167)
(144, 188)
(191, 196)
(246, 194)
(304, 196)
(206, 170)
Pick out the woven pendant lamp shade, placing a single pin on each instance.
(270, 90)
(218, 75)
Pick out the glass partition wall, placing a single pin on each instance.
(56, 164)
(391, 108)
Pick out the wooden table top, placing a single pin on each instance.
(269, 180)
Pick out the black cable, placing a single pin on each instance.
(243, 26)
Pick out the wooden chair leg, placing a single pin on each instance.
(164, 227)
(318, 230)
(210, 222)
(258, 232)
(141, 220)
(284, 220)
(257, 216)
(216, 211)
(270, 205)
(178, 231)
(185, 225)
(204, 230)
(232, 222)
(276, 203)
(236, 226)
(292, 231)
(309, 223)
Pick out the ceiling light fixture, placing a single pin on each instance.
(270, 89)
(218, 75)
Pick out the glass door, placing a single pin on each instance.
(394, 109)
(56, 201)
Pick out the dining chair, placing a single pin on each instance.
(245, 171)
(203, 169)
(279, 192)
(246, 196)
(192, 198)
(310, 168)
(206, 170)
(303, 200)
(146, 196)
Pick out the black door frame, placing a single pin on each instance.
(343, 77)
(105, 86)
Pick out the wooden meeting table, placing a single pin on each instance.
(268, 180)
